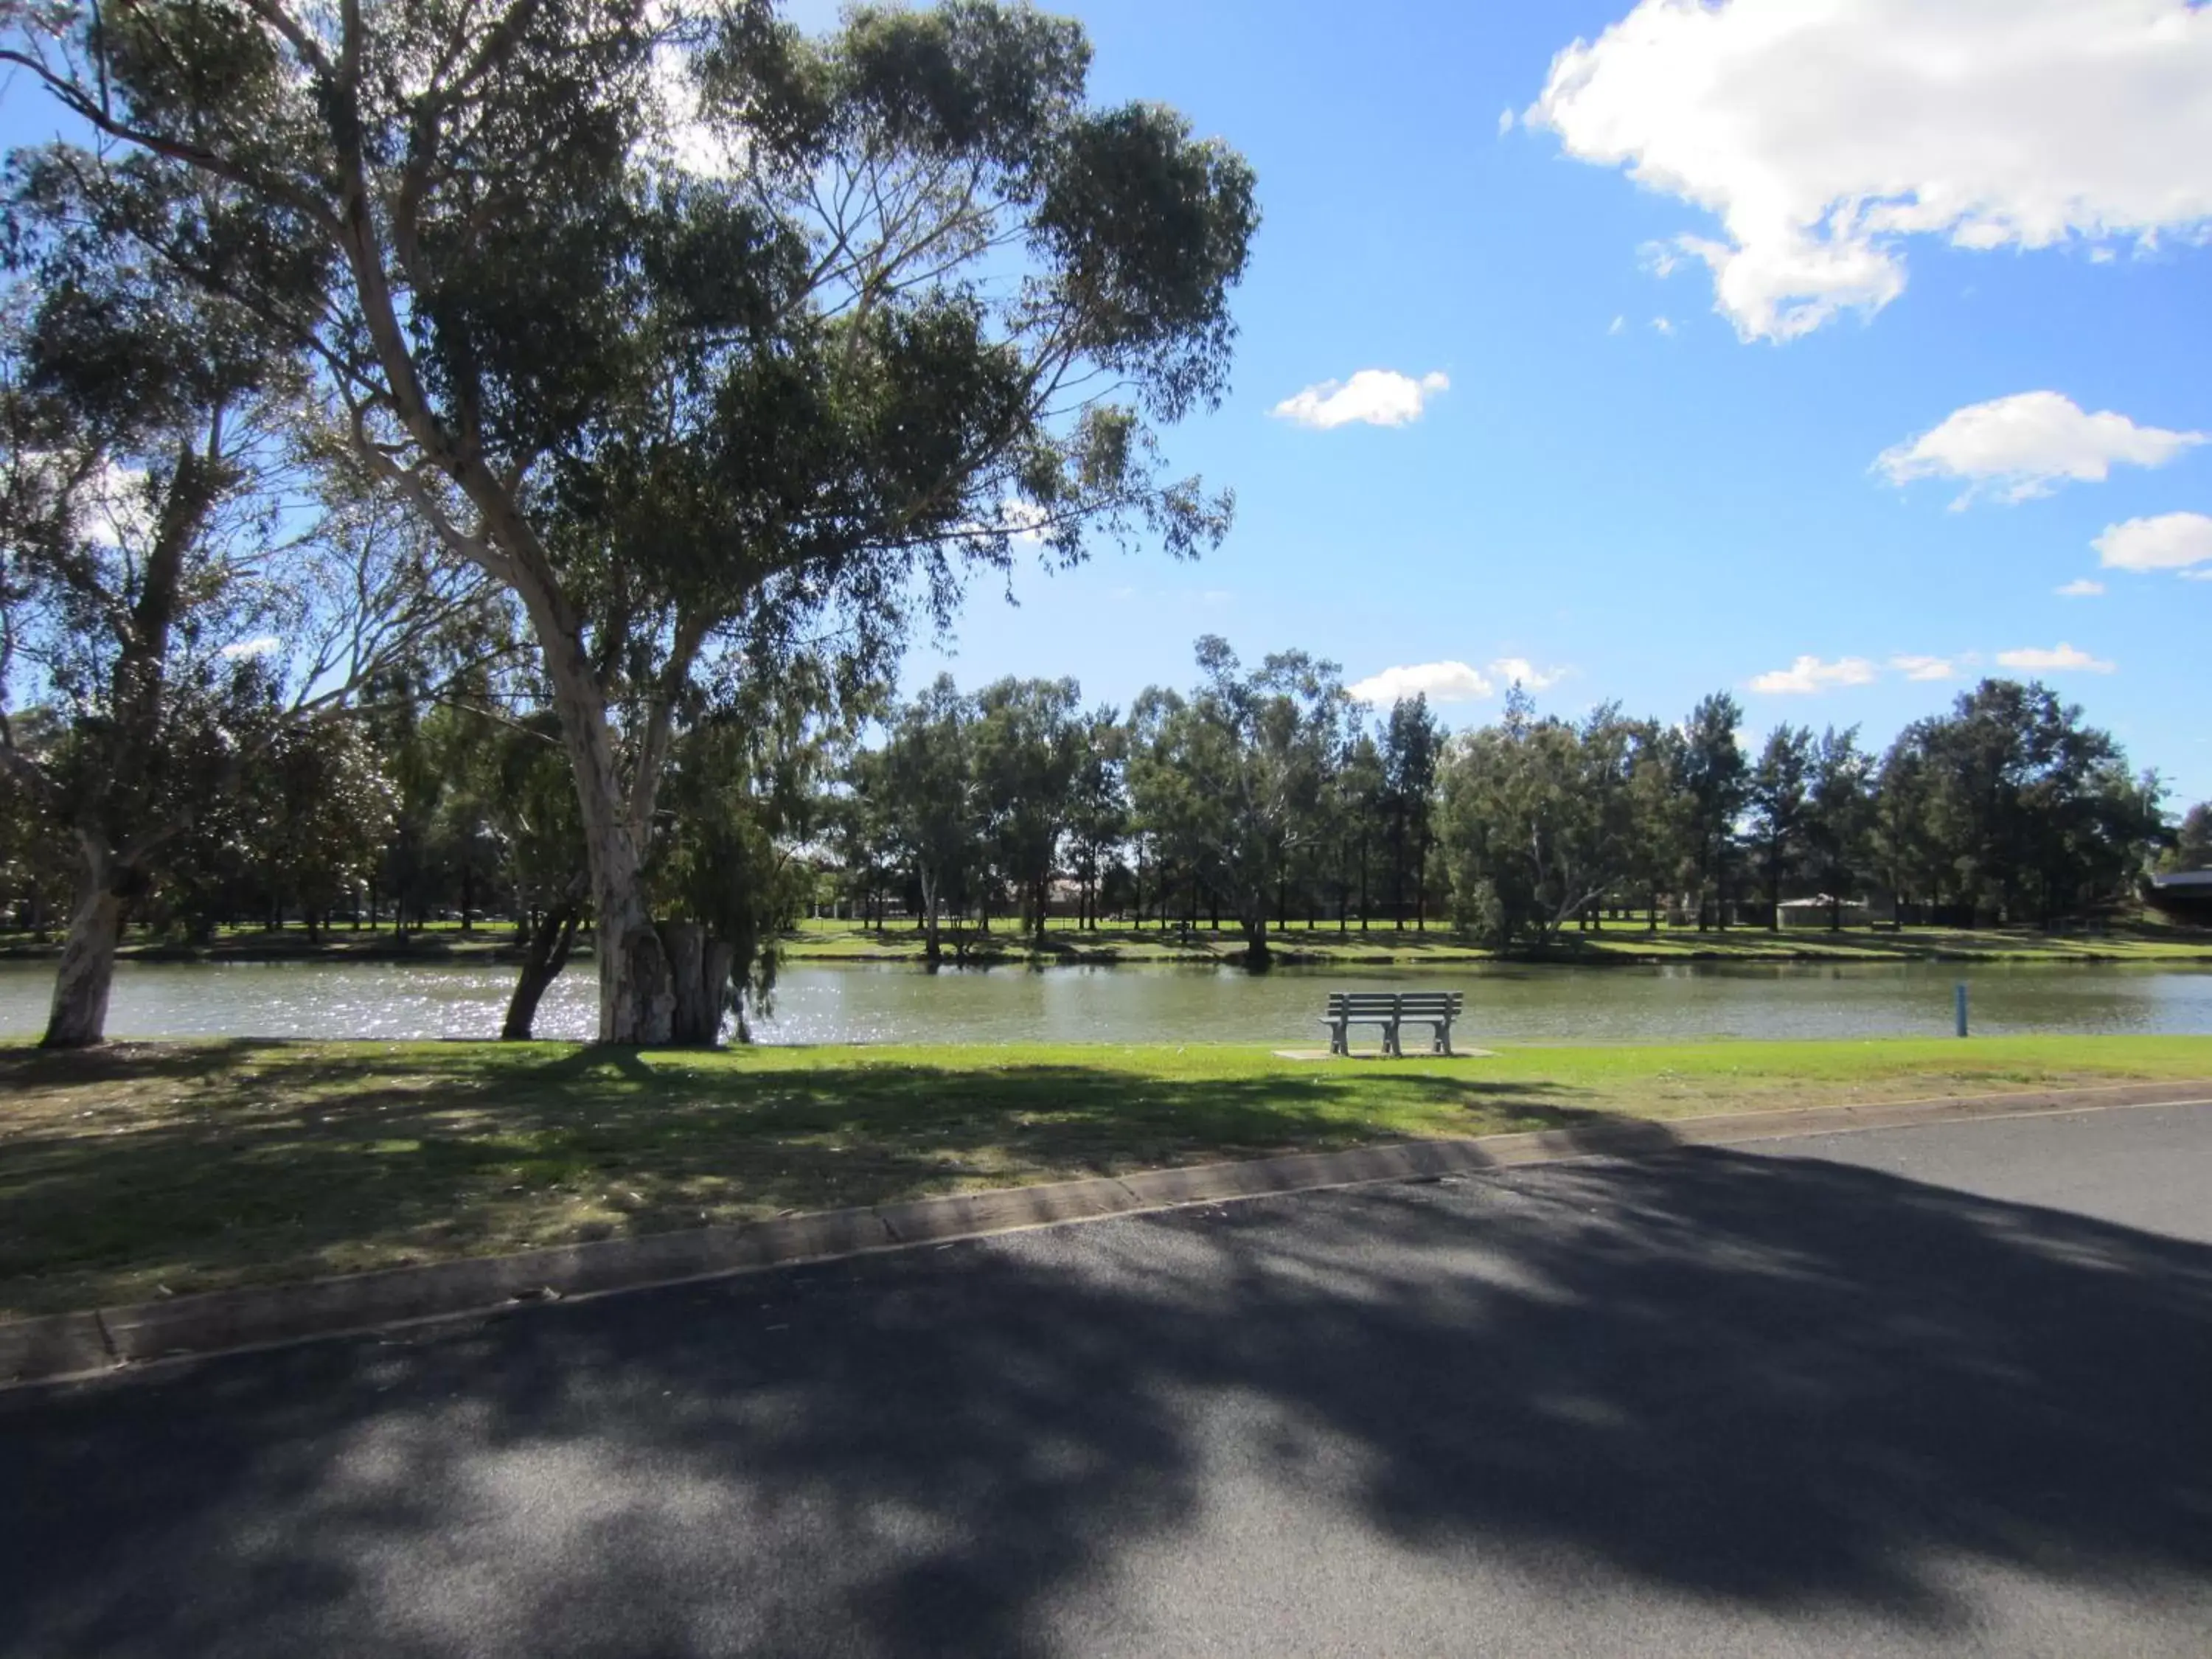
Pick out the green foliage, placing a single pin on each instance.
(1537, 820)
(1236, 778)
(921, 789)
(1028, 747)
(2026, 814)
(698, 416)
(2193, 847)
(323, 811)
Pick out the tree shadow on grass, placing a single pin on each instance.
(1776, 1386)
(241, 1162)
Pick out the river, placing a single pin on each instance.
(840, 1003)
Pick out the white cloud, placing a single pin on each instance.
(2081, 588)
(1378, 397)
(2028, 444)
(1509, 671)
(2173, 541)
(1439, 682)
(1024, 520)
(1665, 325)
(1618, 324)
(1823, 133)
(1504, 122)
(1809, 674)
(2062, 659)
(1924, 668)
(1455, 681)
(262, 645)
(1020, 521)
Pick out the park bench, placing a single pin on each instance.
(1390, 1010)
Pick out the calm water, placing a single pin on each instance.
(858, 1004)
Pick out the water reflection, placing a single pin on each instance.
(875, 1003)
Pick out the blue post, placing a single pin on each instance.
(1962, 1008)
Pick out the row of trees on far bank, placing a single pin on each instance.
(1259, 799)
(1266, 796)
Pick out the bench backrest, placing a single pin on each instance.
(1362, 1005)
(1430, 1002)
(1392, 1005)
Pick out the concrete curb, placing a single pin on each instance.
(61, 1347)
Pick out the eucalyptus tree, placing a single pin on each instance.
(1099, 807)
(1028, 747)
(747, 790)
(177, 581)
(1901, 847)
(1778, 794)
(1358, 797)
(2036, 812)
(1413, 740)
(1238, 773)
(1661, 810)
(1715, 776)
(922, 788)
(1839, 817)
(528, 797)
(1537, 819)
(680, 325)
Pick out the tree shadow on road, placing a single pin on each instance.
(1770, 1383)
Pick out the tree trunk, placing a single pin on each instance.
(1256, 939)
(78, 1017)
(541, 963)
(637, 993)
(700, 967)
(1363, 882)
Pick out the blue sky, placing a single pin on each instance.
(1664, 513)
(1644, 485)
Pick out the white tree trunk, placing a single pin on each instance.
(78, 1018)
(637, 993)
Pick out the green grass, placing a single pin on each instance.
(1620, 941)
(142, 1169)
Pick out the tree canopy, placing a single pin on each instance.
(712, 343)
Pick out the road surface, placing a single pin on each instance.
(1941, 1391)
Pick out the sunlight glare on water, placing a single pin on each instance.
(856, 1004)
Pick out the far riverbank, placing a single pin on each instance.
(1620, 943)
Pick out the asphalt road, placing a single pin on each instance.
(1943, 1390)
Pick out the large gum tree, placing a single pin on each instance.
(182, 588)
(700, 336)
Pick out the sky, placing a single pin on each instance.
(1834, 353)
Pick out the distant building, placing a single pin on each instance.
(2186, 895)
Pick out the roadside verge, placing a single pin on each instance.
(60, 1346)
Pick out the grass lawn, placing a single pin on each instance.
(143, 1168)
(1619, 942)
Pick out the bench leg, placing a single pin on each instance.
(1338, 1043)
(1390, 1045)
(1443, 1039)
